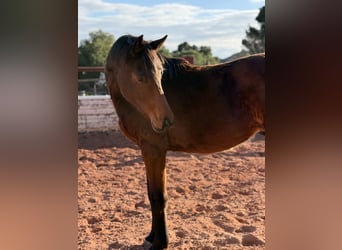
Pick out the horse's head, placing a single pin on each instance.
(139, 79)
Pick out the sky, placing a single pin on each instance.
(220, 24)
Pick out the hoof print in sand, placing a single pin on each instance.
(251, 240)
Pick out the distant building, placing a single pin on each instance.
(189, 58)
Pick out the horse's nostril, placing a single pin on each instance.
(167, 123)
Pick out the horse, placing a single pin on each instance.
(170, 104)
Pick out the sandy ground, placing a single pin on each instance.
(216, 201)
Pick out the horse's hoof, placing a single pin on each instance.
(147, 245)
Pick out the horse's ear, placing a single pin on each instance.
(137, 44)
(157, 44)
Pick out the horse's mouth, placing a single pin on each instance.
(159, 131)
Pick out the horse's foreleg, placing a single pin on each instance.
(154, 159)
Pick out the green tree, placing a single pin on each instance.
(184, 47)
(165, 52)
(93, 51)
(205, 50)
(202, 55)
(255, 38)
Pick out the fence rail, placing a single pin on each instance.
(91, 86)
(90, 68)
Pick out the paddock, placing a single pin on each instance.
(216, 201)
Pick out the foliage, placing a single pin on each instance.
(165, 52)
(93, 51)
(255, 38)
(202, 55)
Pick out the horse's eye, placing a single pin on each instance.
(140, 78)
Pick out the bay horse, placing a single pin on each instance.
(170, 104)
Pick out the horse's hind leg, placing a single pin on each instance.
(154, 159)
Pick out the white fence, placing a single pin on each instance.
(96, 113)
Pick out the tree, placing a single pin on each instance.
(184, 47)
(202, 55)
(165, 52)
(255, 38)
(93, 51)
(205, 50)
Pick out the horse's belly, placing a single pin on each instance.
(209, 141)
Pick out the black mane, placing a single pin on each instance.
(173, 66)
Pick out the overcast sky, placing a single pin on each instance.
(220, 24)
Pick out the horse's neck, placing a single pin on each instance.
(120, 103)
(116, 95)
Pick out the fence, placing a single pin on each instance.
(93, 85)
(95, 112)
